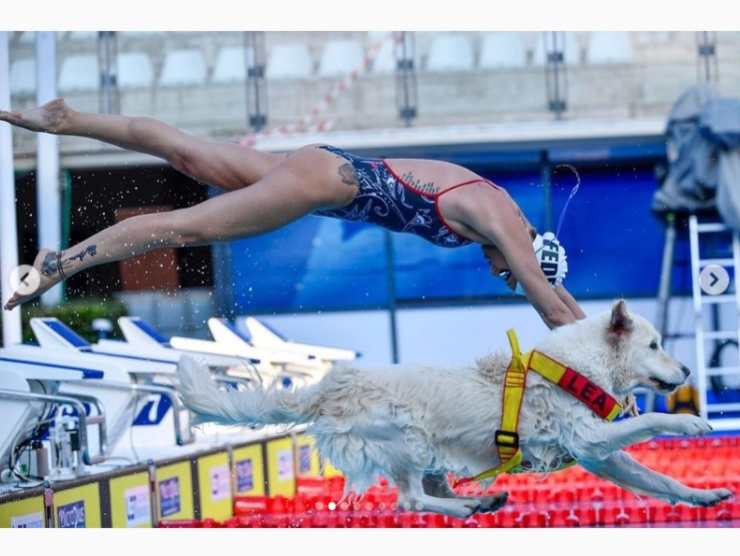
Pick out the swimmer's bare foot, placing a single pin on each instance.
(52, 117)
(46, 264)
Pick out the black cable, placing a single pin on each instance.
(717, 383)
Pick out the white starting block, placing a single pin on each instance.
(271, 364)
(262, 335)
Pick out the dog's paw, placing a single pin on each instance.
(710, 497)
(690, 425)
(489, 504)
(462, 508)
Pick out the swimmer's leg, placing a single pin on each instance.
(225, 165)
(295, 188)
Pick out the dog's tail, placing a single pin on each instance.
(260, 406)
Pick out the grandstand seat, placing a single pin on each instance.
(79, 73)
(610, 47)
(135, 70)
(140, 34)
(184, 68)
(506, 517)
(488, 520)
(408, 520)
(450, 52)
(502, 50)
(572, 49)
(289, 61)
(340, 58)
(23, 76)
(82, 35)
(230, 65)
(376, 36)
(27, 37)
(385, 59)
(387, 520)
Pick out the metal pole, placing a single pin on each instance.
(666, 267)
(406, 85)
(546, 176)
(664, 292)
(256, 85)
(391, 276)
(8, 232)
(707, 64)
(48, 191)
(556, 79)
(109, 100)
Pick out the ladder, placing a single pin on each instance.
(713, 411)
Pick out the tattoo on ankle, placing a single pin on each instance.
(427, 187)
(91, 250)
(50, 265)
(347, 173)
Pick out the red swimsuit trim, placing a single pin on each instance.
(437, 195)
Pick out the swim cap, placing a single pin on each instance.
(551, 257)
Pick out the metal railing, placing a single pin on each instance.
(83, 420)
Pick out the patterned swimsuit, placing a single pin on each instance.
(386, 199)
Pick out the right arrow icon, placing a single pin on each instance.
(714, 279)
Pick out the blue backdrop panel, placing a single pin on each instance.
(613, 240)
(314, 263)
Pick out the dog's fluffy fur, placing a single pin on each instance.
(414, 425)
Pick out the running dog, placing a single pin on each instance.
(415, 425)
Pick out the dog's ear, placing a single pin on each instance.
(621, 323)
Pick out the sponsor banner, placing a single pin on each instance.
(169, 497)
(138, 511)
(27, 521)
(72, 515)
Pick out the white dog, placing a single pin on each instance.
(414, 425)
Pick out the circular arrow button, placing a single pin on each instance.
(714, 279)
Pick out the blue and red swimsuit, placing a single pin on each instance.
(386, 199)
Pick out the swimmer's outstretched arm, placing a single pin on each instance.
(570, 301)
(225, 165)
(491, 216)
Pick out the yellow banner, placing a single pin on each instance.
(26, 513)
(130, 501)
(214, 480)
(280, 467)
(77, 507)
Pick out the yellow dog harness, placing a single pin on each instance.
(506, 437)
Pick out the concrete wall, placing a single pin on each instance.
(661, 66)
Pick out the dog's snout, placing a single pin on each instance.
(685, 370)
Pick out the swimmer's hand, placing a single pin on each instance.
(52, 117)
(46, 265)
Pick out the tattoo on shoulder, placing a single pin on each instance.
(347, 173)
(50, 264)
(91, 250)
(416, 183)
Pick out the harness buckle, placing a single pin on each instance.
(507, 439)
